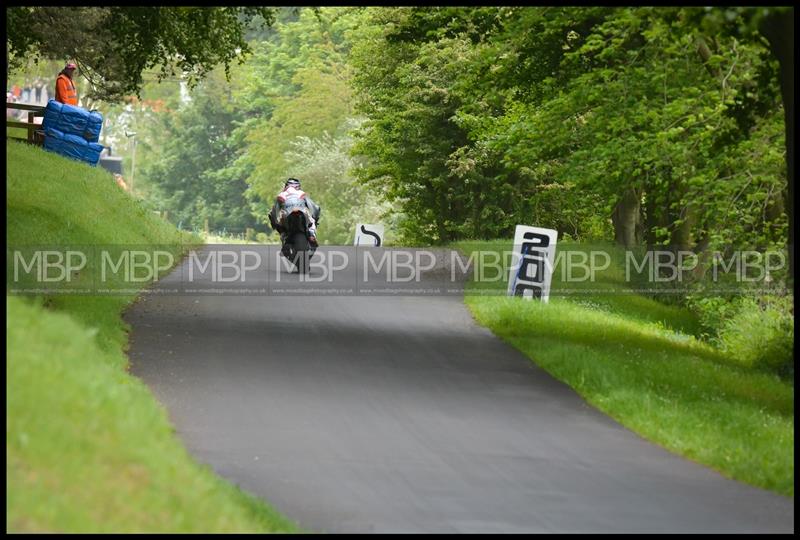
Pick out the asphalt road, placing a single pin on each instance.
(397, 413)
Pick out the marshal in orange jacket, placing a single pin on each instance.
(65, 90)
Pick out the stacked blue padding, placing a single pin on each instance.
(72, 146)
(73, 120)
(54, 140)
(93, 126)
(72, 131)
(51, 114)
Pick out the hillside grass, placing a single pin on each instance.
(88, 448)
(15, 132)
(643, 363)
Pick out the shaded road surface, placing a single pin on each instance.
(359, 414)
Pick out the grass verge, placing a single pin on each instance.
(88, 448)
(641, 362)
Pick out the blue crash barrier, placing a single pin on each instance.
(72, 131)
(72, 146)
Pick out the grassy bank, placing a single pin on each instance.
(641, 362)
(88, 448)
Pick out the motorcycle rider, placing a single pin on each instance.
(292, 195)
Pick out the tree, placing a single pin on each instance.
(436, 84)
(296, 85)
(197, 176)
(114, 45)
(482, 118)
(778, 28)
(775, 26)
(327, 170)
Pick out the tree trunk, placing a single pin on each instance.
(655, 217)
(705, 56)
(778, 28)
(681, 234)
(703, 256)
(626, 218)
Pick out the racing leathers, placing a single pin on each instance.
(287, 199)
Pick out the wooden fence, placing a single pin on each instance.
(35, 132)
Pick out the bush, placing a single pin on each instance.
(713, 312)
(761, 335)
(262, 238)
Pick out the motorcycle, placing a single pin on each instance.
(295, 243)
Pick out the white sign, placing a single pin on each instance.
(368, 235)
(534, 259)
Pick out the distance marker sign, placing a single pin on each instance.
(533, 262)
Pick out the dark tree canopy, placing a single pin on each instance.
(114, 45)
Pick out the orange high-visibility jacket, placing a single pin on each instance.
(65, 90)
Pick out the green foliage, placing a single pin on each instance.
(476, 119)
(287, 111)
(295, 85)
(197, 175)
(320, 106)
(325, 166)
(296, 97)
(113, 46)
(481, 118)
(410, 140)
(712, 312)
(760, 335)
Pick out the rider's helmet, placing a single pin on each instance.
(292, 182)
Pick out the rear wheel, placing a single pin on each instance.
(301, 253)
